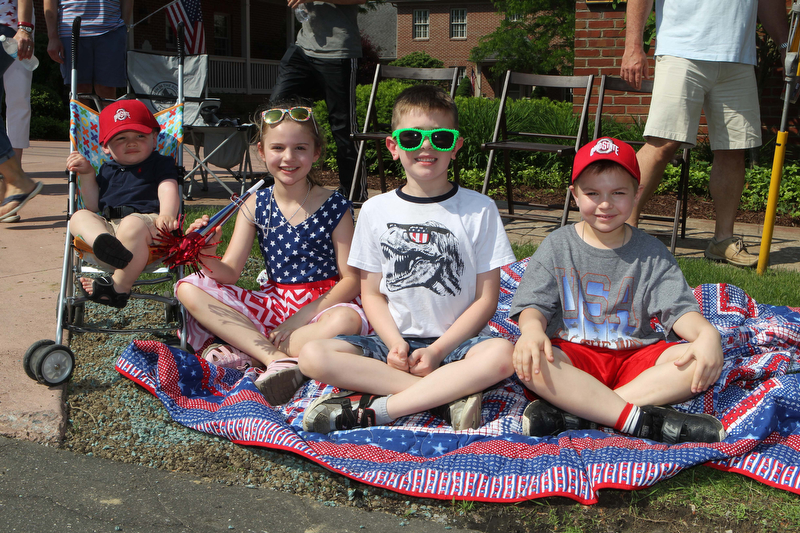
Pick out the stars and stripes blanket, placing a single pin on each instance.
(757, 398)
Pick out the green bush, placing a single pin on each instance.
(417, 60)
(384, 101)
(477, 119)
(49, 128)
(46, 102)
(756, 189)
(464, 87)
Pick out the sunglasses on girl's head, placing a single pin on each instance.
(298, 114)
(411, 138)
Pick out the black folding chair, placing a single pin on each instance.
(561, 145)
(681, 159)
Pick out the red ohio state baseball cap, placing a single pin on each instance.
(126, 115)
(608, 149)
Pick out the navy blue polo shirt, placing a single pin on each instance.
(136, 185)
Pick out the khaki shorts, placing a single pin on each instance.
(726, 92)
(149, 220)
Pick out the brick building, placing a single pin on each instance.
(447, 31)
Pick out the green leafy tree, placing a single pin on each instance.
(534, 36)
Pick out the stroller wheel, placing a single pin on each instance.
(26, 360)
(53, 364)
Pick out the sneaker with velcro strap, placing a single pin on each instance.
(464, 413)
(670, 426)
(540, 419)
(338, 411)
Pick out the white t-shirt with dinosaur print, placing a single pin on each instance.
(429, 252)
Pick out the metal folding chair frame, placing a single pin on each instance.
(681, 159)
(501, 138)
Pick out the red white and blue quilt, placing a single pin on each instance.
(757, 398)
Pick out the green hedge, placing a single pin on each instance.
(477, 117)
(49, 115)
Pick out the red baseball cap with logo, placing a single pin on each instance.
(606, 149)
(126, 115)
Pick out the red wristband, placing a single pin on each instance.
(25, 24)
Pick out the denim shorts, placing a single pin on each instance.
(373, 346)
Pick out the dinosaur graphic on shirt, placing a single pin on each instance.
(422, 255)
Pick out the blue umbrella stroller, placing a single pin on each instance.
(52, 362)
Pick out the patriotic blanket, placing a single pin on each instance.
(757, 398)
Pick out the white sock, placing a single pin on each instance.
(381, 414)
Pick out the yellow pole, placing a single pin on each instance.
(772, 200)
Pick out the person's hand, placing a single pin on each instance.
(214, 241)
(281, 335)
(423, 361)
(634, 67)
(398, 356)
(198, 224)
(167, 223)
(55, 49)
(294, 3)
(706, 350)
(24, 44)
(77, 163)
(528, 354)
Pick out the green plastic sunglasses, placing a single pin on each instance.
(441, 139)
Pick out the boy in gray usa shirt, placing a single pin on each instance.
(586, 305)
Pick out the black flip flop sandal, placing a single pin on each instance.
(103, 292)
(110, 250)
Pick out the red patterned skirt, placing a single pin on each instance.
(266, 308)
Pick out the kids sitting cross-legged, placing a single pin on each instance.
(136, 192)
(585, 304)
(307, 289)
(430, 255)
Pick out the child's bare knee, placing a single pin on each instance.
(345, 321)
(132, 228)
(311, 358)
(185, 294)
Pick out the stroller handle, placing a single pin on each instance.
(76, 31)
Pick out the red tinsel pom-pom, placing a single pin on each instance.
(176, 249)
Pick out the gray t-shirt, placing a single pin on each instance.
(604, 298)
(331, 31)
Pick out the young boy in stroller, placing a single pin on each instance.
(136, 194)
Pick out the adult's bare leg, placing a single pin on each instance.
(16, 182)
(653, 159)
(726, 183)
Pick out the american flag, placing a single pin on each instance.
(188, 12)
(472, 80)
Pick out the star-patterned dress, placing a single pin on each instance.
(300, 266)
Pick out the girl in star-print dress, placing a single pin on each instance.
(307, 289)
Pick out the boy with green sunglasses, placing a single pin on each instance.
(430, 254)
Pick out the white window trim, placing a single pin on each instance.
(459, 24)
(421, 25)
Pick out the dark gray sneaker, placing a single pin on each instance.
(667, 425)
(464, 413)
(540, 419)
(340, 410)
